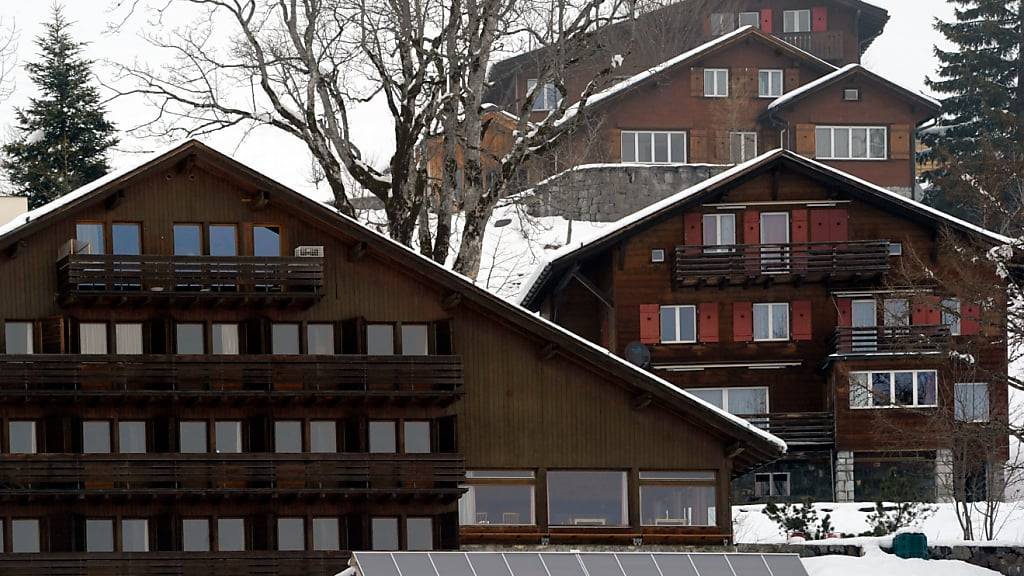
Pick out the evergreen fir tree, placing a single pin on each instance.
(978, 145)
(64, 134)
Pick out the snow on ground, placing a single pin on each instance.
(880, 563)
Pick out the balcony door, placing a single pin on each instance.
(188, 242)
(126, 240)
(864, 314)
(222, 240)
(775, 242)
(266, 243)
(90, 239)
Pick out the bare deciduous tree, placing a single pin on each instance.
(8, 57)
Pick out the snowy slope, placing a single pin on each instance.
(880, 563)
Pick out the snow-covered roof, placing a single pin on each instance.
(827, 79)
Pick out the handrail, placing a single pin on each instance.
(874, 340)
(797, 428)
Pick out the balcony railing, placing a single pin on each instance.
(890, 340)
(175, 474)
(90, 278)
(798, 429)
(318, 376)
(255, 563)
(825, 45)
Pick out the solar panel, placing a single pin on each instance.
(711, 565)
(490, 564)
(638, 564)
(749, 565)
(414, 563)
(675, 564)
(525, 564)
(456, 565)
(601, 565)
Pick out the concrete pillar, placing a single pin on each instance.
(944, 475)
(844, 476)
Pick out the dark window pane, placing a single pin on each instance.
(382, 438)
(882, 395)
(291, 534)
(926, 389)
(126, 239)
(587, 498)
(24, 536)
(384, 533)
(678, 142)
(417, 437)
(288, 437)
(131, 437)
(90, 239)
(195, 535)
(266, 241)
(187, 240)
(99, 535)
(904, 388)
(189, 339)
(230, 534)
(323, 437)
(135, 535)
(223, 240)
(419, 533)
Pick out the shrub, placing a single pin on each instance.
(800, 519)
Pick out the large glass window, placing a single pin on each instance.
(92, 338)
(416, 435)
(320, 339)
(188, 240)
(771, 322)
(769, 84)
(225, 338)
(326, 535)
(587, 498)
(380, 339)
(284, 338)
(96, 437)
(851, 142)
(719, 230)
(419, 533)
(648, 147)
(678, 498)
(742, 146)
(716, 82)
(90, 238)
(896, 312)
(288, 436)
(99, 535)
(894, 388)
(498, 497)
(382, 437)
(128, 338)
(678, 324)
(796, 21)
(230, 534)
(323, 437)
(291, 534)
(266, 241)
(25, 536)
(126, 239)
(195, 535)
(192, 437)
(740, 401)
(545, 98)
(21, 437)
(134, 535)
(19, 337)
(227, 436)
(414, 340)
(384, 533)
(223, 240)
(189, 339)
(972, 403)
(131, 437)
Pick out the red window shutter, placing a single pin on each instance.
(752, 227)
(819, 19)
(802, 320)
(970, 319)
(934, 310)
(799, 233)
(692, 225)
(707, 324)
(819, 225)
(742, 321)
(766, 20)
(845, 306)
(927, 311)
(650, 323)
(839, 225)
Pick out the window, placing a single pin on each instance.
(742, 146)
(21, 437)
(738, 401)
(227, 436)
(134, 535)
(288, 437)
(722, 23)
(90, 238)
(192, 438)
(128, 338)
(716, 83)
(382, 437)
(223, 239)
(951, 315)
(498, 497)
(323, 437)
(678, 324)
(189, 339)
(284, 339)
(851, 143)
(99, 535)
(25, 536)
(750, 19)
(131, 437)
(774, 242)
(414, 339)
(719, 230)
(893, 388)
(195, 535)
(895, 249)
(796, 21)
(678, 499)
(896, 312)
(416, 435)
(646, 147)
(266, 241)
(320, 339)
(657, 255)
(126, 239)
(771, 484)
(92, 338)
(769, 83)
(384, 533)
(545, 98)
(291, 534)
(326, 535)
(96, 437)
(972, 403)
(587, 498)
(380, 339)
(225, 338)
(188, 240)
(419, 533)
(771, 322)
(19, 337)
(230, 534)
(851, 94)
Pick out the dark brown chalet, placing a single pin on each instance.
(784, 291)
(206, 372)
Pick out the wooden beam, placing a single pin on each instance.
(601, 295)
(357, 251)
(451, 301)
(734, 450)
(187, 164)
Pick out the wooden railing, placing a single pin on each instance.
(697, 265)
(160, 276)
(173, 473)
(825, 45)
(256, 563)
(889, 340)
(218, 375)
(798, 429)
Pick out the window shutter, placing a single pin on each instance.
(799, 232)
(845, 308)
(692, 233)
(697, 82)
(698, 146)
(899, 142)
(707, 324)
(802, 325)
(751, 227)
(805, 145)
(934, 310)
(650, 323)
(819, 226)
(766, 20)
(839, 225)
(819, 19)
(927, 311)
(743, 321)
(722, 155)
(970, 319)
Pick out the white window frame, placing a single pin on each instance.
(869, 391)
(771, 485)
(545, 99)
(757, 19)
(743, 136)
(847, 93)
(793, 27)
(833, 130)
(725, 396)
(720, 245)
(657, 255)
(771, 322)
(650, 134)
(956, 399)
(726, 23)
(678, 309)
(713, 89)
(776, 83)
(951, 314)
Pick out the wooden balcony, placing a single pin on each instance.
(825, 45)
(52, 376)
(800, 429)
(890, 341)
(104, 279)
(697, 266)
(254, 563)
(256, 474)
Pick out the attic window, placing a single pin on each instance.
(657, 255)
(851, 94)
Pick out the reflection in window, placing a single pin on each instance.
(227, 436)
(187, 240)
(972, 403)
(771, 322)
(380, 339)
(414, 339)
(288, 437)
(320, 339)
(326, 535)
(284, 338)
(419, 533)
(90, 238)
(195, 533)
(587, 498)
(382, 437)
(893, 388)
(498, 497)
(678, 498)
(25, 536)
(189, 339)
(19, 337)
(291, 534)
(135, 535)
(126, 239)
(223, 240)
(99, 535)
(96, 437)
(951, 315)
(384, 533)
(416, 437)
(266, 241)
(230, 534)
(21, 437)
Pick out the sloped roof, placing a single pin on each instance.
(759, 446)
(562, 258)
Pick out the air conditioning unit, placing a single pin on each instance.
(309, 252)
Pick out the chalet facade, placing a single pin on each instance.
(205, 371)
(830, 311)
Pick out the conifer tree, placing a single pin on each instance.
(64, 136)
(978, 145)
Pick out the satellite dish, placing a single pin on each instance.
(638, 354)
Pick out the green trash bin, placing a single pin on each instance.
(910, 545)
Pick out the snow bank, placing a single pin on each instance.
(880, 563)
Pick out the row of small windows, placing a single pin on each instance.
(793, 21)
(770, 83)
(125, 239)
(669, 147)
